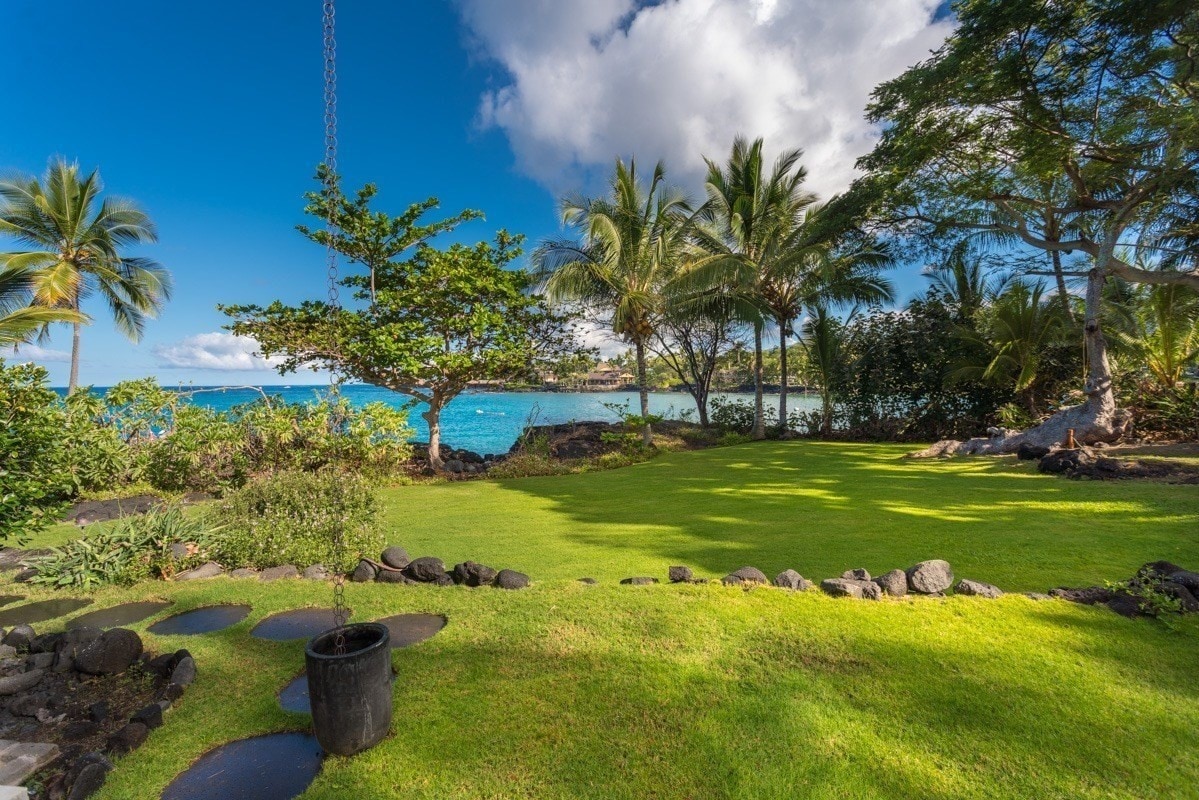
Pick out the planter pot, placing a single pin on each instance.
(351, 692)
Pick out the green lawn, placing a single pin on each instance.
(565, 691)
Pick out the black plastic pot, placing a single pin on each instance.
(351, 692)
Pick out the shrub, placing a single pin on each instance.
(528, 465)
(130, 550)
(34, 479)
(292, 518)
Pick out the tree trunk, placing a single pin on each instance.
(1095, 420)
(73, 383)
(826, 413)
(1062, 291)
(701, 404)
(759, 431)
(783, 375)
(433, 417)
(647, 435)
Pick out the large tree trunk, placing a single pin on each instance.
(73, 382)
(783, 375)
(647, 435)
(1095, 420)
(433, 417)
(759, 430)
(1062, 292)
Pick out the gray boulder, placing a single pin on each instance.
(930, 577)
(365, 572)
(128, 738)
(278, 573)
(209, 570)
(977, 589)
(746, 575)
(150, 716)
(511, 579)
(395, 557)
(185, 672)
(21, 682)
(111, 654)
(894, 583)
(455, 466)
(425, 569)
(393, 576)
(848, 587)
(680, 574)
(244, 572)
(471, 573)
(858, 574)
(790, 579)
(638, 581)
(20, 637)
(317, 572)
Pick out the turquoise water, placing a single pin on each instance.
(489, 422)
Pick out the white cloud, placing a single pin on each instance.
(31, 352)
(588, 80)
(215, 351)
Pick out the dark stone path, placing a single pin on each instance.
(119, 616)
(278, 766)
(201, 620)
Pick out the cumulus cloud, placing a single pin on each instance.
(588, 80)
(222, 351)
(31, 352)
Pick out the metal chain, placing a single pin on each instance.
(340, 614)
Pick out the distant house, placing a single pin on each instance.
(487, 386)
(606, 377)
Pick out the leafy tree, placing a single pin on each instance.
(1066, 126)
(33, 475)
(689, 340)
(78, 243)
(628, 245)
(439, 320)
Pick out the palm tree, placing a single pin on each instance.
(628, 244)
(1158, 327)
(77, 241)
(826, 340)
(19, 321)
(742, 227)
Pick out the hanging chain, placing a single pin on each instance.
(333, 199)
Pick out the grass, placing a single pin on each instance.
(569, 691)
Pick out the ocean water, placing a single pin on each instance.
(489, 422)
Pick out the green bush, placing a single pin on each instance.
(131, 550)
(34, 479)
(293, 517)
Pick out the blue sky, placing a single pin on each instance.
(208, 113)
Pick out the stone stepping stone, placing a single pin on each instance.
(409, 629)
(294, 696)
(278, 766)
(200, 620)
(302, 623)
(40, 612)
(5, 599)
(19, 760)
(119, 616)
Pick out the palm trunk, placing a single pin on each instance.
(647, 435)
(783, 375)
(759, 431)
(826, 412)
(73, 383)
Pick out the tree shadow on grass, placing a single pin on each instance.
(825, 507)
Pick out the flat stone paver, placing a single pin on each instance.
(19, 760)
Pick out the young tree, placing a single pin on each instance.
(438, 321)
(629, 243)
(690, 339)
(1094, 99)
(79, 244)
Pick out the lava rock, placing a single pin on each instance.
(179, 551)
(848, 587)
(209, 570)
(790, 579)
(395, 557)
(317, 572)
(40, 661)
(184, 672)
(858, 574)
(1159, 569)
(1188, 579)
(86, 775)
(681, 574)
(162, 665)
(278, 573)
(80, 729)
(893, 583)
(588, 581)
(244, 572)
(473, 574)
(21, 682)
(98, 712)
(7, 651)
(1126, 605)
(930, 577)
(511, 579)
(443, 579)
(977, 589)
(425, 569)
(454, 466)
(128, 738)
(20, 637)
(111, 654)
(1089, 595)
(1064, 462)
(638, 581)
(1031, 452)
(393, 576)
(748, 575)
(365, 572)
(150, 716)
(1187, 602)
